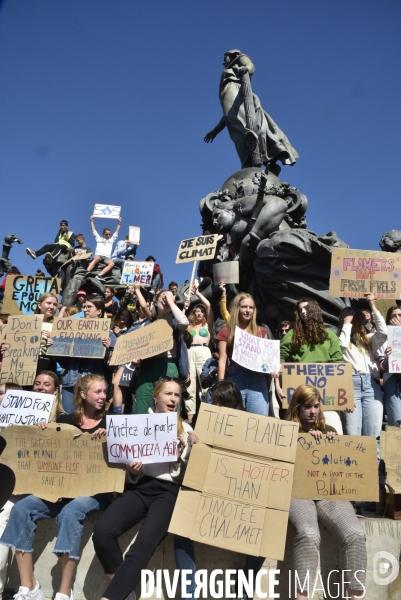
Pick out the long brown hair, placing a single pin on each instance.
(390, 313)
(160, 385)
(82, 385)
(306, 394)
(312, 330)
(191, 316)
(359, 336)
(234, 320)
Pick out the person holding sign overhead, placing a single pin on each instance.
(89, 417)
(103, 248)
(338, 516)
(359, 349)
(253, 385)
(392, 381)
(150, 495)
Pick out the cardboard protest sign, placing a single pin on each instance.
(82, 256)
(394, 340)
(333, 380)
(137, 272)
(355, 273)
(20, 407)
(201, 247)
(255, 353)
(20, 355)
(226, 272)
(79, 337)
(59, 462)
(23, 292)
(134, 235)
(341, 468)
(390, 452)
(145, 342)
(238, 483)
(145, 438)
(106, 211)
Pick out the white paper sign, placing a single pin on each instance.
(255, 353)
(137, 272)
(20, 407)
(394, 340)
(134, 235)
(147, 439)
(106, 211)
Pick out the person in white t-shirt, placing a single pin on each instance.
(104, 249)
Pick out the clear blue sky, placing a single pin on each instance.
(106, 101)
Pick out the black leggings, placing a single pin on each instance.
(152, 499)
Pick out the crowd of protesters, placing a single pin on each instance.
(198, 368)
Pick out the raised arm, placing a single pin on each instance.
(182, 320)
(142, 301)
(93, 227)
(118, 226)
(206, 304)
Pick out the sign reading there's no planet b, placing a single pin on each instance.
(106, 211)
(202, 247)
(226, 272)
(255, 353)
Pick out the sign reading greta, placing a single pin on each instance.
(201, 247)
(23, 292)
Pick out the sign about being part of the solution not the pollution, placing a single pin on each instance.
(21, 350)
(355, 273)
(202, 247)
(255, 353)
(22, 292)
(137, 272)
(333, 380)
(79, 337)
(147, 439)
(20, 407)
(341, 468)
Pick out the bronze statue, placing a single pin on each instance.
(257, 138)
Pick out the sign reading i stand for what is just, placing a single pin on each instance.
(355, 273)
(255, 353)
(21, 350)
(333, 380)
(394, 341)
(202, 247)
(144, 438)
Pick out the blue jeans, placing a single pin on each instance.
(368, 413)
(185, 559)
(67, 395)
(253, 388)
(21, 527)
(392, 399)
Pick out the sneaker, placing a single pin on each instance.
(24, 593)
(32, 255)
(60, 596)
(100, 278)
